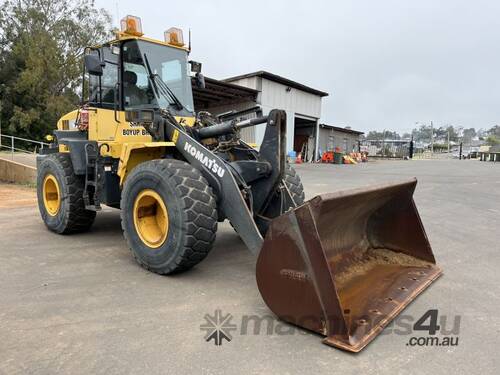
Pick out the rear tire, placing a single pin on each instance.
(174, 229)
(60, 196)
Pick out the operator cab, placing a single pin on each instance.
(125, 73)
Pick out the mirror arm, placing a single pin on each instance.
(115, 104)
(200, 80)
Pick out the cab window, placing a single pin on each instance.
(167, 63)
(101, 90)
(137, 90)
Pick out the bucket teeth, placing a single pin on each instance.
(345, 264)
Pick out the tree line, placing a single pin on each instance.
(41, 56)
(442, 133)
(41, 51)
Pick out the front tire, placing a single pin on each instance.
(294, 184)
(169, 215)
(60, 196)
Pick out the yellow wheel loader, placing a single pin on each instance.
(342, 264)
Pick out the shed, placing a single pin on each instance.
(335, 137)
(267, 91)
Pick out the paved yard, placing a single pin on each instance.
(79, 304)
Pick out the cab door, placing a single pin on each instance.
(104, 114)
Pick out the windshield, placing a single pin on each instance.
(171, 66)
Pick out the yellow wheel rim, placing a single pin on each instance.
(51, 195)
(151, 218)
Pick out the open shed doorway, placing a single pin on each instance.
(304, 139)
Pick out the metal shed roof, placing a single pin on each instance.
(279, 79)
(218, 93)
(339, 129)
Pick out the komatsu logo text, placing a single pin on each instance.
(211, 164)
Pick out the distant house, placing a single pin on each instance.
(489, 153)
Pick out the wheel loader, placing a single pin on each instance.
(342, 264)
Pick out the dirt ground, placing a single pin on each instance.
(15, 196)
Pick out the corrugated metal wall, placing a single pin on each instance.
(275, 95)
(330, 139)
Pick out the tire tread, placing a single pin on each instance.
(200, 221)
(78, 218)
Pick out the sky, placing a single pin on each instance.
(385, 64)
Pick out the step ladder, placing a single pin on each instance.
(93, 178)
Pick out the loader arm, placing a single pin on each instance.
(221, 178)
(249, 208)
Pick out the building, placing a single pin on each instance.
(260, 92)
(337, 138)
(489, 153)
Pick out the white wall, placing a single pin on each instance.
(250, 82)
(274, 95)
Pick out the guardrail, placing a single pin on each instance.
(12, 144)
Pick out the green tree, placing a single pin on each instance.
(492, 140)
(41, 49)
(422, 134)
(453, 133)
(495, 131)
(373, 134)
(468, 135)
(388, 134)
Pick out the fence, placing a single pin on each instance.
(18, 144)
(391, 149)
(400, 149)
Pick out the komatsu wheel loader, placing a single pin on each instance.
(342, 264)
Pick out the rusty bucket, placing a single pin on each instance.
(345, 264)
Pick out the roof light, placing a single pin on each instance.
(131, 25)
(174, 36)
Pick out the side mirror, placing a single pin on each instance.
(200, 81)
(195, 66)
(93, 65)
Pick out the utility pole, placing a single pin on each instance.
(117, 16)
(2, 90)
(432, 138)
(0, 124)
(383, 145)
(448, 141)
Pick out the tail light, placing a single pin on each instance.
(83, 122)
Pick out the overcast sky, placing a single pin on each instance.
(386, 64)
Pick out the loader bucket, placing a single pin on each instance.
(345, 264)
